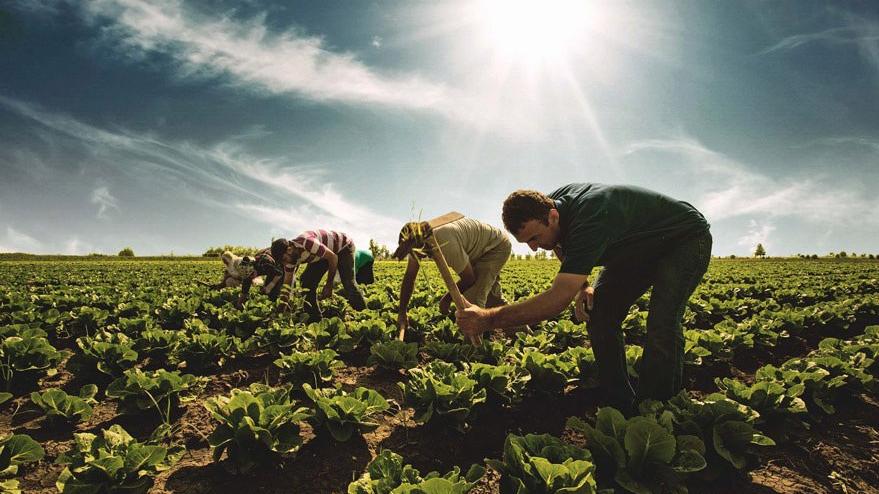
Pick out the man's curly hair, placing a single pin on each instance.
(524, 205)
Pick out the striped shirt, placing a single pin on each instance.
(316, 243)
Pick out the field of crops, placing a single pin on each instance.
(129, 376)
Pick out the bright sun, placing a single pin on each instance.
(534, 31)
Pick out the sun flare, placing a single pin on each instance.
(537, 30)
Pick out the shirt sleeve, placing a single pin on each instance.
(585, 243)
(314, 247)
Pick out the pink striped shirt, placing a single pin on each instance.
(315, 244)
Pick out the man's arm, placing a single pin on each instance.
(333, 261)
(245, 290)
(406, 289)
(542, 306)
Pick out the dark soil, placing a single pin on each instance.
(839, 455)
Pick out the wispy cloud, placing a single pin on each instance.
(76, 247)
(758, 233)
(105, 201)
(222, 176)
(837, 35)
(731, 189)
(250, 55)
(16, 241)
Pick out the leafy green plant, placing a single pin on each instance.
(107, 353)
(254, 425)
(61, 407)
(724, 427)
(161, 390)
(780, 407)
(157, 343)
(504, 383)
(439, 388)
(640, 454)
(16, 450)
(174, 311)
(24, 358)
(85, 320)
(550, 373)
(450, 352)
(316, 366)
(387, 474)
(544, 464)
(205, 349)
(113, 462)
(344, 413)
(394, 355)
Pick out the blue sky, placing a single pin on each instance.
(173, 126)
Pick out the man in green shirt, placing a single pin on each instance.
(363, 264)
(476, 251)
(642, 239)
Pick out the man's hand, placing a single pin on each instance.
(583, 303)
(402, 324)
(445, 303)
(327, 291)
(473, 320)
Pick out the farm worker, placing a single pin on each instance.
(363, 272)
(323, 251)
(642, 239)
(264, 265)
(363, 267)
(234, 273)
(476, 251)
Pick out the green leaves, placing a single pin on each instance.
(18, 449)
(440, 389)
(394, 355)
(59, 406)
(304, 367)
(344, 413)
(108, 353)
(161, 390)
(544, 464)
(642, 454)
(24, 358)
(254, 425)
(387, 474)
(112, 462)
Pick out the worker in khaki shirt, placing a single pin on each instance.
(476, 251)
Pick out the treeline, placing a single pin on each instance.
(238, 250)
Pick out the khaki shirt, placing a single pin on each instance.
(466, 240)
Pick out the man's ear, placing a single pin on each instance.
(553, 218)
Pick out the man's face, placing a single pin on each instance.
(539, 235)
(291, 254)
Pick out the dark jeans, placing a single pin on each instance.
(673, 277)
(365, 275)
(312, 275)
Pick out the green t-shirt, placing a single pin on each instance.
(603, 225)
(361, 258)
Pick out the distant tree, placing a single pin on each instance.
(732, 256)
(871, 256)
(842, 254)
(235, 249)
(379, 252)
(760, 251)
(540, 255)
(527, 257)
(814, 256)
(126, 252)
